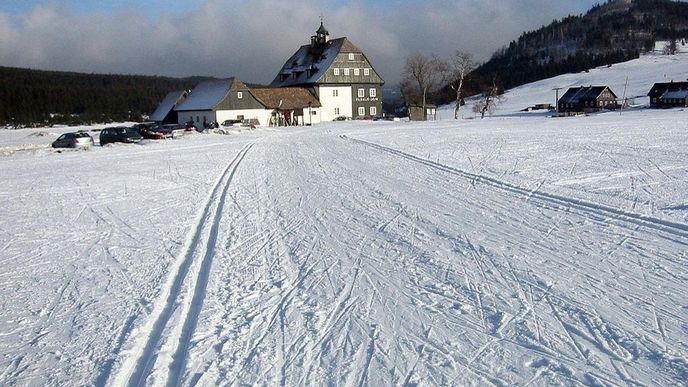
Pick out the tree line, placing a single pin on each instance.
(38, 98)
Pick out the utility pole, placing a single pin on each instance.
(624, 96)
(556, 101)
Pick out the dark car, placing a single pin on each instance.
(119, 134)
(152, 131)
(176, 129)
(73, 140)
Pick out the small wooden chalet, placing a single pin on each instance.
(416, 112)
(668, 95)
(165, 113)
(587, 99)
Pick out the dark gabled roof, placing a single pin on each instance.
(310, 62)
(207, 95)
(168, 104)
(661, 87)
(584, 93)
(286, 98)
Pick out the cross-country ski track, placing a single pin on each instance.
(185, 291)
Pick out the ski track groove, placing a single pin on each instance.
(675, 228)
(137, 369)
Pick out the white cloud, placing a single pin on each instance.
(252, 39)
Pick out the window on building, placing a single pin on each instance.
(240, 117)
(357, 72)
(361, 111)
(366, 72)
(351, 56)
(346, 72)
(361, 93)
(240, 95)
(335, 93)
(336, 111)
(373, 92)
(373, 111)
(336, 71)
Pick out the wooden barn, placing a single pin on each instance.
(416, 112)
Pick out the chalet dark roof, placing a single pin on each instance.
(661, 87)
(310, 62)
(167, 105)
(575, 95)
(207, 95)
(286, 98)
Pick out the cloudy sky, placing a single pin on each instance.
(251, 39)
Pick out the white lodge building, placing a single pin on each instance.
(338, 74)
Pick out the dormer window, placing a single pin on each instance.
(346, 72)
(351, 56)
(357, 72)
(366, 72)
(240, 95)
(336, 71)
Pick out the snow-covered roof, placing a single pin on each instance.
(207, 95)
(167, 105)
(584, 93)
(661, 87)
(310, 62)
(675, 94)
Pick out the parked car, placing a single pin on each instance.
(231, 123)
(251, 123)
(190, 127)
(73, 140)
(119, 134)
(176, 129)
(152, 131)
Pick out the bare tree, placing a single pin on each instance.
(423, 75)
(489, 99)
(461, 65)
(672, 47)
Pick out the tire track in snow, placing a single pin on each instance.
(190, 274)
(675, 228)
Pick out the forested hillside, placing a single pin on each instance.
(613, 32)
(44, 97)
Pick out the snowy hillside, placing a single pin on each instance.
(514, 250)
(641, 73)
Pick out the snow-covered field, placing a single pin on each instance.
(515, 250)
